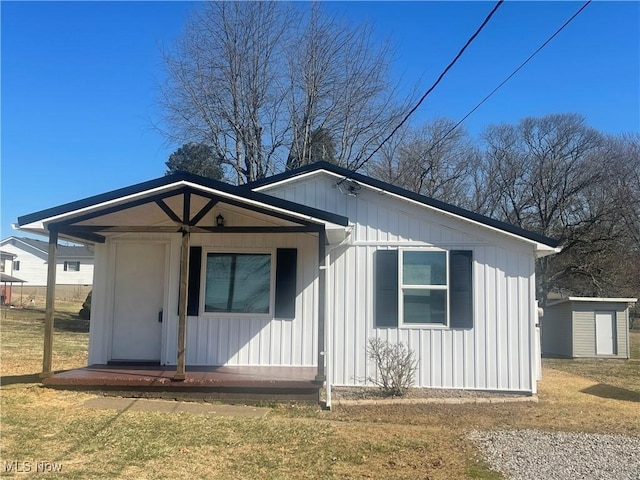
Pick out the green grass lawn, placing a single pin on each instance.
(292, 441)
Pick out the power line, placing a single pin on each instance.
(509, 77)
(444, 72)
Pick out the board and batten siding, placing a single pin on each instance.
(213, 339)
(495, 354)
(219, 340)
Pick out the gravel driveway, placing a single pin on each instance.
(536, 455)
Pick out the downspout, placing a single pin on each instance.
(533, 319)
(320, 375)
(328, 329)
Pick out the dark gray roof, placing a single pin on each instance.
(358, 177)
(67, 251)
(4, 278)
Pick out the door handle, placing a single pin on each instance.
(160, 316)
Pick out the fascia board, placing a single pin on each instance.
(541, 249)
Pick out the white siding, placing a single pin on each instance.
(216, 340)
(33, 267)
(496, 354)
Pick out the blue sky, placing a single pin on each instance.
(79, 80)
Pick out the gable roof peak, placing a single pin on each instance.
(407, 195)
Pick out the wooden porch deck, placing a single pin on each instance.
(227, 383)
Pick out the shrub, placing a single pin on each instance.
(395, 364)
(85, 311)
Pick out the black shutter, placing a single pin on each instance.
(193, 289)
(461, 288)
(286, 269)
(386, 288)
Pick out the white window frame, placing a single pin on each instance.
(402, 287)
(239, 251)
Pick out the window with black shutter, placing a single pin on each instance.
(230, 283)
(423, 287)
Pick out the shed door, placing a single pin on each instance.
(605, 333)
(138, 300)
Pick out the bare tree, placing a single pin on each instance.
(339, 86)
(559, 177)
(262, 82)
(602, 255)
(223, 85)
(434, 160)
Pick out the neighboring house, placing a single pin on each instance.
(7, 280)
(301, 270)
(587, 327)
(74, 263)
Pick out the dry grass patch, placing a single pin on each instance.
(375, 442)
(22, 336)
(614, 379)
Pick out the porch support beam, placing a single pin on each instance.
(322, 281)
(83, 229)
(120, 207)
(79, 229)
(167, 209)
(50, 304)
(200, 215)
(182, 308)
(87, 235)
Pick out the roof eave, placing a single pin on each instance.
(39, 222)
(543, 246)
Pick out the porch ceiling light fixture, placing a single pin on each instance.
(219, 220)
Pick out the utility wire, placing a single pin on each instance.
(444, 72)
(441, 139)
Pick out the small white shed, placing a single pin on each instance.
(576, 327)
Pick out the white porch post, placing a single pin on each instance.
(182, 309)
(50, 304)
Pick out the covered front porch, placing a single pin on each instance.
(160, 317)
(248, 384)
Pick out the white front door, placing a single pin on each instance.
(605, 333)
(138, 300)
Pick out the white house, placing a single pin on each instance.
(300, 270)
(74, 264)
(7, 280)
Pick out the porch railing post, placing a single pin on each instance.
(182, 317)
(50, 304)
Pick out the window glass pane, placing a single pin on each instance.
(238, 283)
(424, 268)
(73, 266)
(424, 306)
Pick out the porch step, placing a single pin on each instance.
(225, 384)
